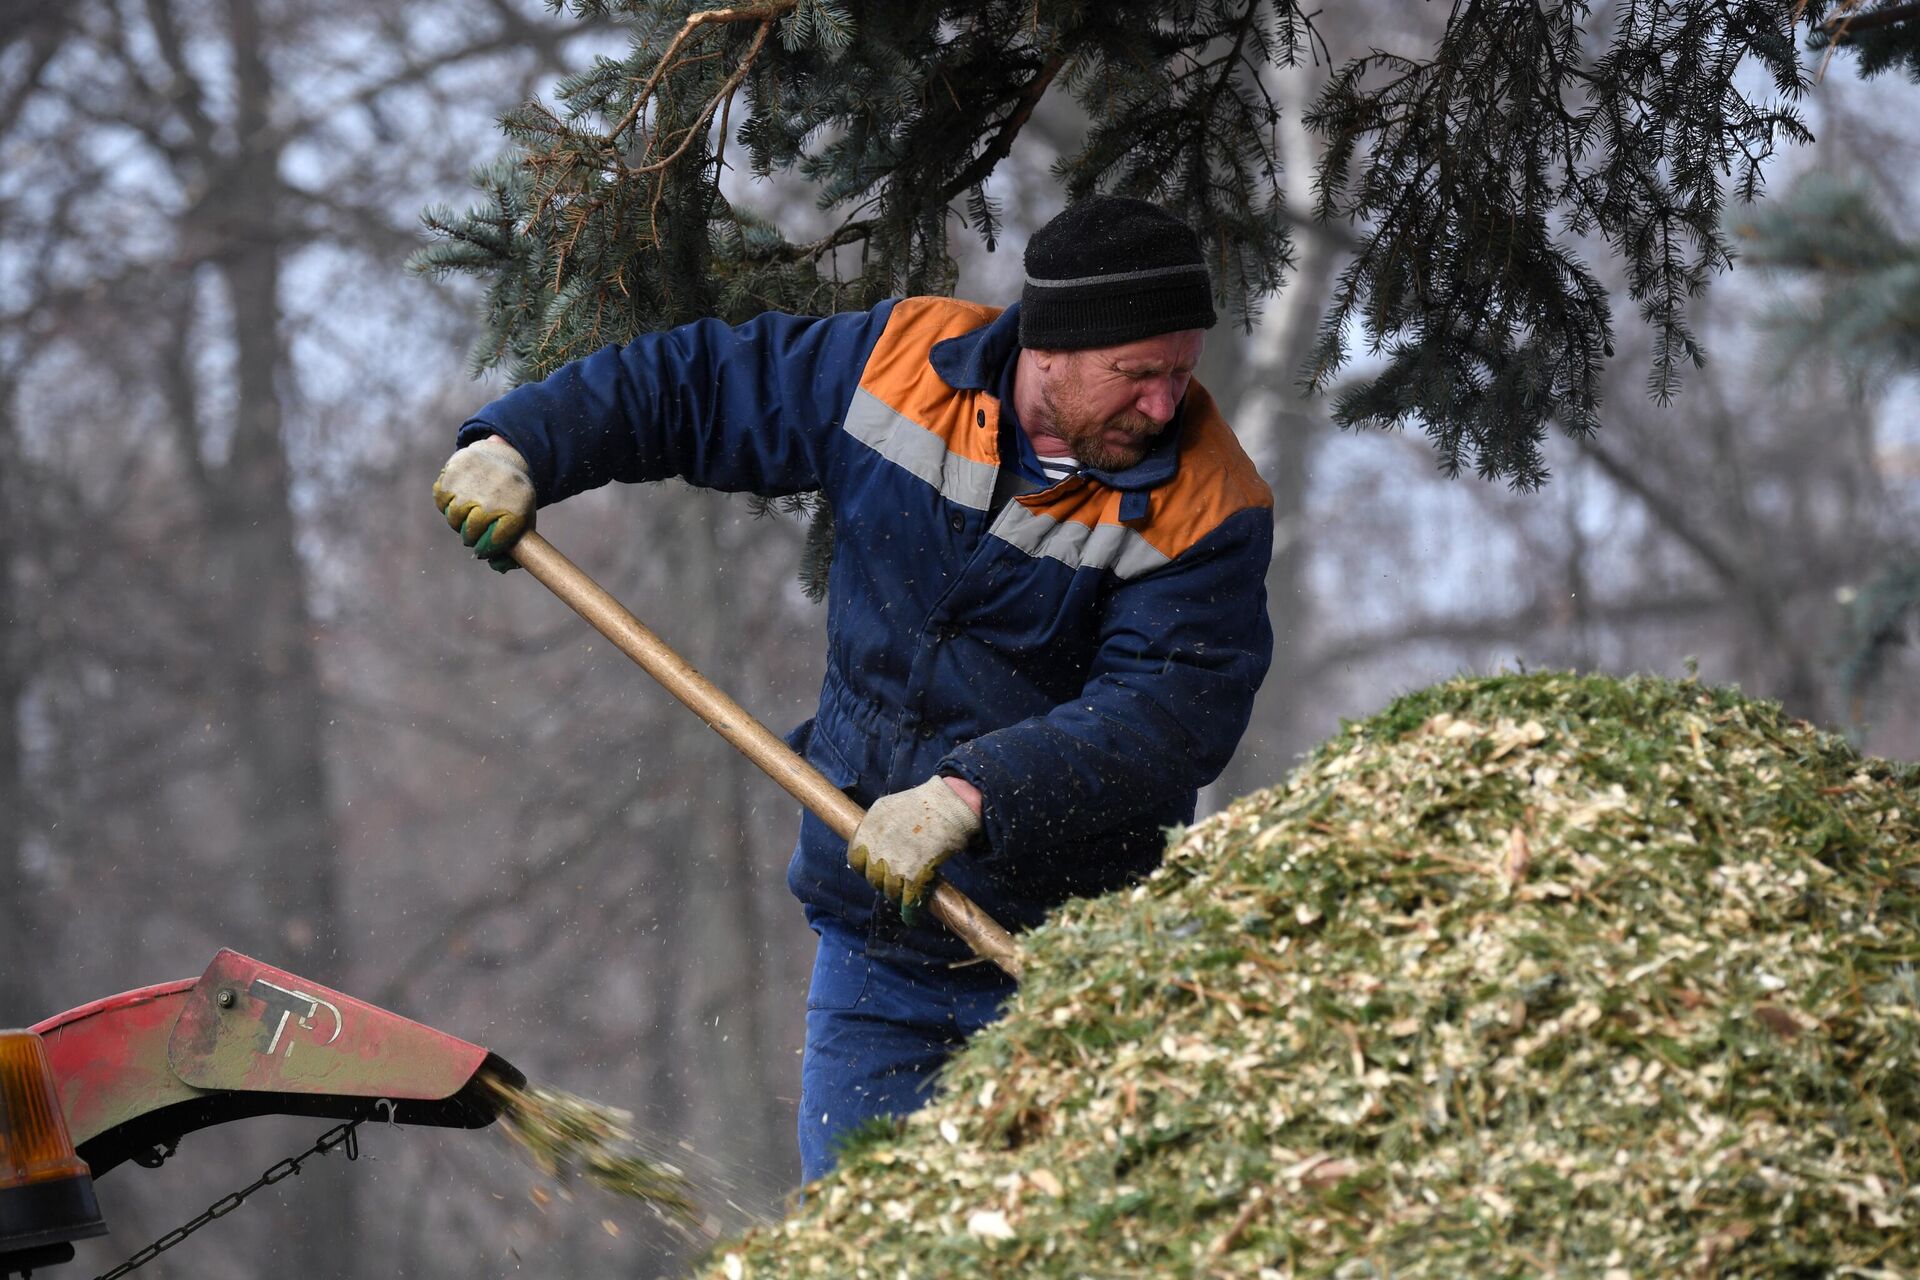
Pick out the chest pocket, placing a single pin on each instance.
(817, 748)
(1026, 628)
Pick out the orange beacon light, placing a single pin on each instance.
(46, 1189)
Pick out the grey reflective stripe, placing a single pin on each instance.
(1113, 547)
(907, 444)
(1118, 277)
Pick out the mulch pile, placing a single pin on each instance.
(1527, 974)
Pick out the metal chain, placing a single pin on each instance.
(339, 1135)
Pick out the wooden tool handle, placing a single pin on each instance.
(753, 740)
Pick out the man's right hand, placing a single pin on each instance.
(486, 494)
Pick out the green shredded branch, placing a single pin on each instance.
(571, 1139)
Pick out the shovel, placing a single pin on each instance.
(753, 740)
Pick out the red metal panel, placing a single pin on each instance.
(110, 1057)
(249, 1026)
(243, 1027)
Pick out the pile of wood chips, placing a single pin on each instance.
(1540, 974)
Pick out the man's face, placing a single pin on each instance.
(1108, 403)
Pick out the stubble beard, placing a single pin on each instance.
(1089, 438)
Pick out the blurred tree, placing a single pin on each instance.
(19, 994)
(1475, 173)
(177, 179)
(1865, 314)
(30, 36)
(1831, 234)
(1722, 526)
(607, 922)
(1882, 615)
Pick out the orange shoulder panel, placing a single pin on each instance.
(898, 375)
(1215, 479)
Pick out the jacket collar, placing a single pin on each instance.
(973, 360)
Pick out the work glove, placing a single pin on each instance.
(486, 494)
(908, 834)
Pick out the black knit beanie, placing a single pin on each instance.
(1109, 270)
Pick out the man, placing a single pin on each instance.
(1046, 614)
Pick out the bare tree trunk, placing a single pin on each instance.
(18, 996)
(34, 36)
(275, 707)
(277, 712)
(1282, 426)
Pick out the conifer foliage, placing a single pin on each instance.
(1488, 168)
(1481, 177)
(609, 219)
(1886, 36)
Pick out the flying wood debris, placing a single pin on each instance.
(1528, 974)
(569, 1137)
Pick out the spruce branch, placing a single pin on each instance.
(1474, 182)
(1882, 38)
(671, 60)
(703, 118)
(1852, 22)
(1461, 162)
(1000, 146)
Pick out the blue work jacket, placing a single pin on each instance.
(1086, 654)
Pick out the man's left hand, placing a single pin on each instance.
(907, 835)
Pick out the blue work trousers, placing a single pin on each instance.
(877, 1031)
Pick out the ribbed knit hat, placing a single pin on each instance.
(1109, 270)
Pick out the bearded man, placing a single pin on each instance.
(1046, 615)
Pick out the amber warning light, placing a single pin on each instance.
(46, 1190)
